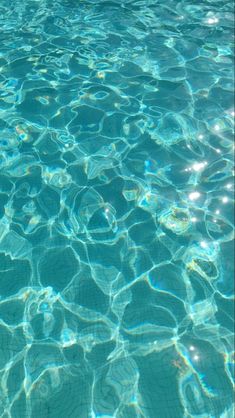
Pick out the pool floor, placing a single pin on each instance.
(116, 209)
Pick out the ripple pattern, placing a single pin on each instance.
(116, 209)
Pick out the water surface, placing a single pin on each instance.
(116, 209)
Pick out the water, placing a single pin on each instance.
(116, 209)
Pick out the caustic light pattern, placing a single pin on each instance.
(116, 198)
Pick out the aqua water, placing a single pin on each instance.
(116, 209)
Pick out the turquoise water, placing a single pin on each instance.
(116, 209)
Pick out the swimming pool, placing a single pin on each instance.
(116, 209)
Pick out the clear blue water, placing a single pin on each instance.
(116, 209)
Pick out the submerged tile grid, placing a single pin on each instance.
(116, 209)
